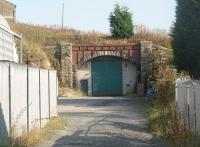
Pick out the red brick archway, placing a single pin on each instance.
(71, 56)
(83, 53)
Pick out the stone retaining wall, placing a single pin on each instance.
(68, 72)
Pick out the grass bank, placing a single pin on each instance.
(65, 92)
(161, 114)
(173, 129)
(36, 135)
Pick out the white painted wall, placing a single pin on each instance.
(53, 92)
(33, 80)
(44, 99)
(129, 73)
(4, 102)
(18, 102)
(84, 72)
(20, 94)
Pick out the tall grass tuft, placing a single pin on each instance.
(37, 135)
(162, 115)
(165, 84)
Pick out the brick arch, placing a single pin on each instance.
(69, 56)
(123, 57)
(83, 53)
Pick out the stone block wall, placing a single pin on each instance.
(66, 75)
(68, 70)
(146, 59)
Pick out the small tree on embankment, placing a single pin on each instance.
(121, 23)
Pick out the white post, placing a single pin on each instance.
(63, 7)
(21, 50)
(188, 104)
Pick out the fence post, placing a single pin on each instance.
(49, 94)
(188, 106)
(176, 91)
(10, 113)
(195, 119)
(176, 96)
(57, 87)
(40, 100)
(28, 99)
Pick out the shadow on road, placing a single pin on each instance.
(3, 128)
(112, 122)
(101, 141)
(91, 138)
(100, 101)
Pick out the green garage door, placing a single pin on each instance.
(106, 77)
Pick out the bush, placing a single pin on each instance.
(171, 127)
(162, 115)
(165, 84)
(34, 55)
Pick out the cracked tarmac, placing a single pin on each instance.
(104, 122)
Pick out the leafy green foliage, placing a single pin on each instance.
(186, 37)
(121, 23)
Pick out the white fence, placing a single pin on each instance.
(28, 98)
(188, 102)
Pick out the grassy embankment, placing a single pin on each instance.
(65, 92)
(36, 37)
(162, 115)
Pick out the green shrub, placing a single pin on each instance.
(162, 115)
(34, 55)
(165, 84)
(121, 23)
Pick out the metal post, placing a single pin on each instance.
(28, 122)
(21, 50)
(176, 95)
(63, 7)
(49, 95)
(195, 116)
(188, 106)
(10, 96)
(40, 100)
(57, 85)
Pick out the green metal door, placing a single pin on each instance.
(84, 86)
(107, 77)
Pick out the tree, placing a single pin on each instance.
(186, 37)
(121, 23)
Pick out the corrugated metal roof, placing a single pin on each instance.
(4, 23)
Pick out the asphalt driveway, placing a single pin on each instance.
(104, 122)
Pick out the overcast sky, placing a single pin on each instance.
(88, 15)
